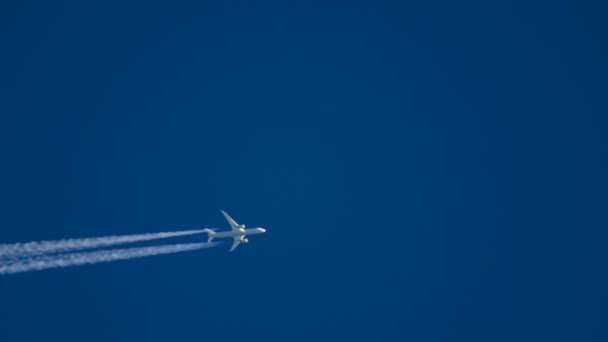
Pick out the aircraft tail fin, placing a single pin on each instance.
(210, 234)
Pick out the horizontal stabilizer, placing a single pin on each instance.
(210, 234)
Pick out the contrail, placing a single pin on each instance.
(43, 262)
(18, 250)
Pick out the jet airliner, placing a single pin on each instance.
(238, 232)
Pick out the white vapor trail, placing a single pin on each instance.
(18, 250)
(43, 262)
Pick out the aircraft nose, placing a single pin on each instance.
(263, 230)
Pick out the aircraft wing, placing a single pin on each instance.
(233, 224)
(235, 244)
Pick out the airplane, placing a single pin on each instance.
(238, 232)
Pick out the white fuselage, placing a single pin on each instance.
(238, 232)
(241, 232)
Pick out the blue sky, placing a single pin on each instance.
(427, 171)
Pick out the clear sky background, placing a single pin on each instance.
(426, 170)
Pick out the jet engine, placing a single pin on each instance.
(244, 240)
